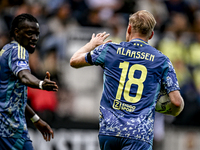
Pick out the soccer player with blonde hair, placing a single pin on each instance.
(135, 76)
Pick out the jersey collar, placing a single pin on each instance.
(14, 42)
(139, 40)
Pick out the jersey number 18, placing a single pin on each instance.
(131, 80)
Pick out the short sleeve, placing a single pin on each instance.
(169, 80)
(97, 56)
(18, 59)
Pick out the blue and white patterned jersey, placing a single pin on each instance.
(13, 95)
(134, 73)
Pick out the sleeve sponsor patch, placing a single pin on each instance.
(22, 64)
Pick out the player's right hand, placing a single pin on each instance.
(98, 39)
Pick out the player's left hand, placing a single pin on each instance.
(45, 129)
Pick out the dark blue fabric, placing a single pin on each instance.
(9, 143)
(119, 143)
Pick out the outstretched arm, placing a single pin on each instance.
(30, 80)
(41, 125)
(78, 59)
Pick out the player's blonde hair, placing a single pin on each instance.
(142, 22)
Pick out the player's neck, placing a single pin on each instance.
(138, 36)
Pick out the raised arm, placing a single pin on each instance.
(78, 59)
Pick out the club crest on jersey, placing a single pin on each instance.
(22, 63)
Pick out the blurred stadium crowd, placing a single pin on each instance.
(62, 24)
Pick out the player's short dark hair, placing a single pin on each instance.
(20, 19)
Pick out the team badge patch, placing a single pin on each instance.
(22, 63)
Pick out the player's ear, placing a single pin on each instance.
(151, 35)
(129, 29)
(16, 32)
